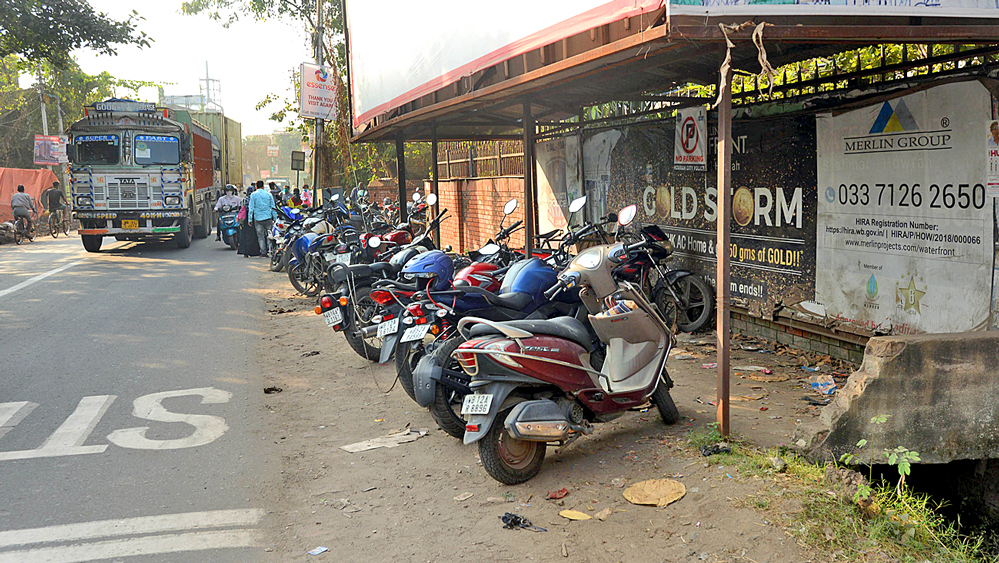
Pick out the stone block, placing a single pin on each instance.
(785, 338)
(820, 347)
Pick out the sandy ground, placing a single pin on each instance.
(401, 504)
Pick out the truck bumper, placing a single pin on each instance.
(131, 223)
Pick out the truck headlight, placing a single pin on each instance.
(84, 201)
(172, 200)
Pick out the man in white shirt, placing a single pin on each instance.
(229, 198)
(23, 206)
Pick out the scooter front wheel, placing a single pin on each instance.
(665, 405)
(507, 459)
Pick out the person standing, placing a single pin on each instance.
(306, 196)
(261, 215)
(247, 235)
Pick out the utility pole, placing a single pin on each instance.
(41, 101)
(317, 153)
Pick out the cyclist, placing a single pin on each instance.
(23, 206)
(54, 199)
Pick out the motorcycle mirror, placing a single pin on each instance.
(489, 249)
(417, 197)
(448, 248)
(627, 215)
(374, 242)
(431, 199)
(510, 206)
(336, 197)
(577, 204)
(612, 217)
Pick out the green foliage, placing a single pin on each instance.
(705, 436)
(50, 30)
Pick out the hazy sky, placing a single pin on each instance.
(251, 59)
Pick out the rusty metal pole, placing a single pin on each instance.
(528, 181)
(433, 182)
(722, 250)
(400, 159)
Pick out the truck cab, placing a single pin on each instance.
(138, 172)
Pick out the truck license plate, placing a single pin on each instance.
(476, 403)
(333, 316)
(130, 223)
(388, 327)
(415, 333)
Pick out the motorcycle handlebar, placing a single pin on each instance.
(553, 290)
(629, 248)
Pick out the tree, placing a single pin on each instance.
(49, 30)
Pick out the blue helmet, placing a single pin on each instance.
(433, 269)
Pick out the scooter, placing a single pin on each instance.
(228, 226)
(532, 381)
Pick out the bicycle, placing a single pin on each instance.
(21, 231)
(57, 223)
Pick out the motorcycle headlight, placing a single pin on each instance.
(589, 259)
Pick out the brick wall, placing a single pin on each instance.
(802, 336)
(475, 208)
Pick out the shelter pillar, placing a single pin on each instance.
(433, 181)
(528, 180)
(721, 249)
(400, 159)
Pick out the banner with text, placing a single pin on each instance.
(773, 212)
(317, 94)
(905, 222)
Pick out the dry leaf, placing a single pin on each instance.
(767, 378)
(574, 515)
(603, 514)
(754, 397)
(659, 492)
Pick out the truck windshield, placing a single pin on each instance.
(97, 149)
(156, 149)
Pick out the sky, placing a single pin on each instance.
(250, 59)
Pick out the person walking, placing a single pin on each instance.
(247, 235)
(306, 196)
(261, 215)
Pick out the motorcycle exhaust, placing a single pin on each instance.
(539, 421)
(369, 331)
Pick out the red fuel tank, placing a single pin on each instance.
(480, 274)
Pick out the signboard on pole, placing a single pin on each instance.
(298, 160)
(317, 95)
(691, 133)
(50, 150)
(905, 222)
(272, 151)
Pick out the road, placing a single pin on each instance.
(129, 404)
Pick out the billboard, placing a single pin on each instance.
(773, 220)
(50, 150)
(455, 39)
(317, 92)
(905, 216)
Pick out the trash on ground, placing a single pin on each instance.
(687, 357)
(753, 397)
(319, 550)
(767, 371)
(272, 390)
(603, 514)
(312, 353)
(509, 497)
(659, 492)
(513, 521)
(823, 384)
(750, 348)
(280, 311)
(464, 496)
(816, 402)
(719, 448)
(769, 378)
(711, 365)
(557, 494)
(388, 441)
(811, 369)
(749, 368)
(575, 515)
(368, 490)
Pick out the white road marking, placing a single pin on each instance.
(208, 428)
(12, 413)
(68, 439)
(132, 526)
(38, 278)
(174, 543)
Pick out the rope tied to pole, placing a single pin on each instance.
(761, 55)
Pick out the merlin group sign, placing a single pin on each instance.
(317, 94)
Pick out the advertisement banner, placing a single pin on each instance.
(558, 181)
(934, 8)
(272, 150)
(772, 248)
(905, 221)
(689, 151)
(317, 93)
(50, 150)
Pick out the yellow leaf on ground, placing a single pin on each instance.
(603, 514)
(659, 492)
(574, 515)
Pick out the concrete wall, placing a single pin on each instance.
(941, 392)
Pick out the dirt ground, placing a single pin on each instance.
(402, 503)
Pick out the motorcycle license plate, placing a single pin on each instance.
(343, 258)
(415, 333)
(388, 327)
(476, 403)
(130, 223)
(333, 316)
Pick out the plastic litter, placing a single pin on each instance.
(557, 494)
(391, 440)
(319, 550)
(712, 365)
(272, 390)
(809, 368)
(823, 384)
(464, 496)
(513, 521)
(719, 448)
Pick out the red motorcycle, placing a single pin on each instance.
(532, 380)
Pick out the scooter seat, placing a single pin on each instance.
(562, 327)
(386, 269)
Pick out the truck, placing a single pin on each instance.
(138, 172)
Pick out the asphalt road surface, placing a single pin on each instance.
(129, 404)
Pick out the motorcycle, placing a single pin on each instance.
(532, 382)
(228, 225)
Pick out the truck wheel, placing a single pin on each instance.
(92, 242)
(183, 238)
(202, 230)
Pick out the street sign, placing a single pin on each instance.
(298, 160)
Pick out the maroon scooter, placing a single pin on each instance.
(532, 380)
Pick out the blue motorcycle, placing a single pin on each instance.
(228, 226)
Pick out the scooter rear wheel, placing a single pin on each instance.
(507, 459)
(665, 405)
(446, 408)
